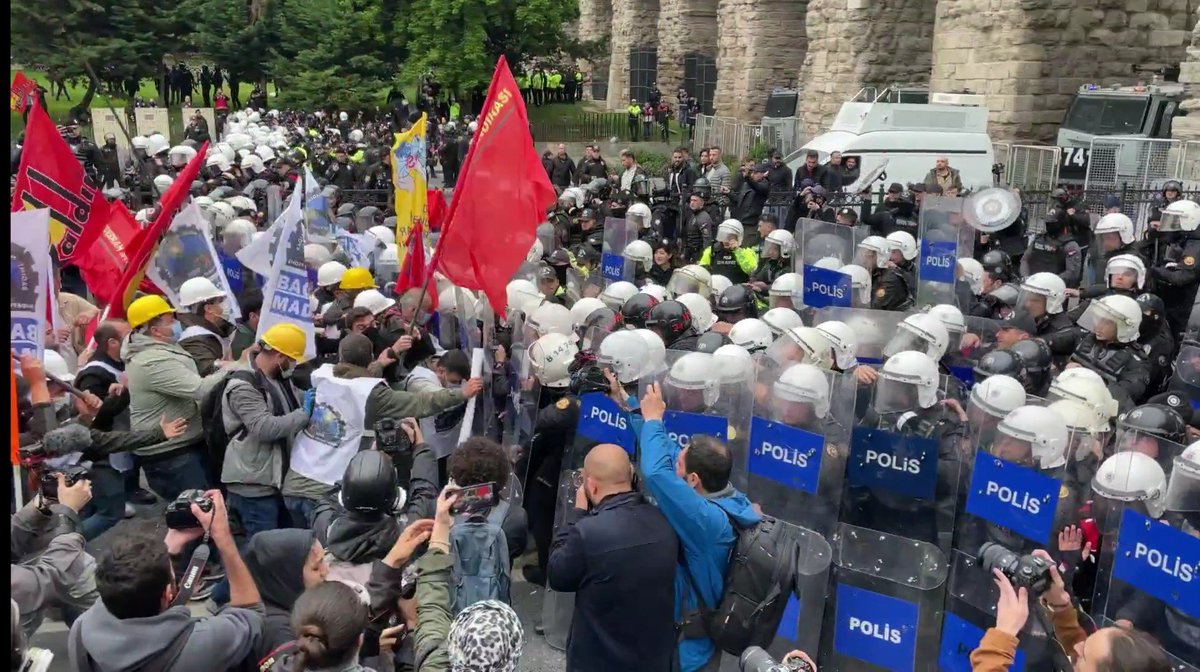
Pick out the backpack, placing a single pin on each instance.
(482, 568)
(212, 416)
(762, 571)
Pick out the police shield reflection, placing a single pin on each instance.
(614, 265)
(822, 250)
(944, 236)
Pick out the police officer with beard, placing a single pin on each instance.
(1055, 251)
(110, 163)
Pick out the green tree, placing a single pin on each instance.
(240, 37)
(117, 38)
(458, 41)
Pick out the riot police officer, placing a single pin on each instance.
(775, 261)
(637, 309)
(1154, 336)
(85, 151)
(736, 303)
(1177, 276)
(726, 256)
(1110, 349)
(999, 297)
(672, 321)
(897, 285)
(698, 230)
(1075, 215)
(1042, 297)
(1055, 251)
(110, 162)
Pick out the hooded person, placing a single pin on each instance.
(284, 563)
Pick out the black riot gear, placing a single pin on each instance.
(1000, 363)
(601, 319)
(1157, 420)
(735, 302)
(709, 342)
(1036, 357)
(369, 484)
(671, 320)
(702, 188)
(1153, 314)
(640, 186)
(637, 309)
(998, 264)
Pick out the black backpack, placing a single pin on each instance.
(762, 573)
(211, 416)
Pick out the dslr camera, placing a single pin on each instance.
(1026, 571)
(390, 437)
(179, 512)
(756, 659)
(48, 480)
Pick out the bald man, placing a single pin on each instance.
(618, 554)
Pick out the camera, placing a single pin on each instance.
(48, 481)
(1026, 571)
(179, 512)
(390, 436)
(756, 659)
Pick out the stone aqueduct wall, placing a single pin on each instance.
(1026, 56)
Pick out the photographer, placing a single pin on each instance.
(1115, 648)
(48, 563)
(485, 637)
(136, 625)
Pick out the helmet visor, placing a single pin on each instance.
(904, 340)
(1170, 222)
(1105, 324)
(1162, 450)
(1187, 366)
(894, 396)
(1183, 489)
(681, 284)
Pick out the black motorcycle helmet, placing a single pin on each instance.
(1158, 420)
(589, 215)
(1036, 356)
(1001, 363)
(702, 188)
(1153, 310)
(559, 257)
(670, 320)
(369, 483)
(999, 264)
(636, 309)
(1061, 195)
(585, 255)
(640, 186)
(602, 320)
(709, 341)
(735, 303)
(1172, 185)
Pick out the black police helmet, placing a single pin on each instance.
(1153, 310)
(1172, 185)
(559, 257)
(1000, 363)
(636, 309)
(1034, 354)
(733, 299)
(1158, 420)
(601, 319)
(369, 483)
(998, 263)
(1060, 195)
(670, 320)
(701, 187)
(709, 341)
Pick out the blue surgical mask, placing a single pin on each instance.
(176, 330)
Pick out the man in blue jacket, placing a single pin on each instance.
(691, 486)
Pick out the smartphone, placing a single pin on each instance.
(476, 498)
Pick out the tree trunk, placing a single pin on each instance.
(86, 102)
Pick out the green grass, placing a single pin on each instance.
(60, 109)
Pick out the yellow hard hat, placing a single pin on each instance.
(147, 308)
(286, 338)
(357, 278)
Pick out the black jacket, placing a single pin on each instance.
(750, 201)
(561, 170)
(619, 559)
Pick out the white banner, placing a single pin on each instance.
(258, 254)
(187, 252)
(29, 280)
(286, 296)
(358, 247)
(334, 432)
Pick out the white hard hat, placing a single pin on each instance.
(828, 263)
(253, 164)
(730, 227)
(903, 241)
(785, 240)
(244, 153)
(626, 353)
(550, 318)
(640, 252)
(972, 272)
(657, 291)
(1043, 430)
(473, 126)
(356, 135)
(195, 291)
(1076, 415)
(780, 320)
(815, 347)
(1131, 476)
(804, 384)
(697, 372)
(844, 341)
(878, 245)
(203, 202)
(330, 273)
(703, 318)
(226, 151)
(910, 368)
(998, 395)
(1049, 285)
(921, 332)
(1119, 309)
(1180, 216)
(383, 234)
(617, 293)
(342, 116)
(550, 358)
(56, 366)
(373, 300)
(389, 254)
(144, 215)
(1118, 223)
(265, 153)
(751, 334)
(244, 204)
(720, 283)
(690, 278)
(216, 160)
(584, 307)
(180, 155)
(860, 283)
(656, 351)
(139, 142)
(522, 296)
(1086, 386)
(639, 211)
(951, 317)
(157, 144)
(239, 228)
(316, 255)
(1126, 262)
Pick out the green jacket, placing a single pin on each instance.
(538, 81)
(747, 260)
(433, 611)
(163, 380)
(635, 111)
(555, 81)
(243, 337)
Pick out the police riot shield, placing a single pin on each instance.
(151, 120)
(967, 346)
(274, 203)
(1186, 378)
(873, 329)
(1018, 498)
(1147, 569)
(821, 249)
(798, 443)
(895, 529)
(614, 266)
(944, 236)
(582, 284)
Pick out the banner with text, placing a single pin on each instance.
(185, 252)
(286, 296)
(29, 271)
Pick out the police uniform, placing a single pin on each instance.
(726, 262)
(1057, 254)
(895, 288)
(1158, 348)
(1060, 333)
(1177, 279)
(1121, 365)
(553, 430)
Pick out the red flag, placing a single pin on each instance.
(102, 265)
(51, 177)
(18, 93)
(415, 272)
(435, 203)
(502, 196)
(146, 242)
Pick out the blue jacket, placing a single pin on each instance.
(702, 523)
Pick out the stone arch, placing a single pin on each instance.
(761, 47)
(687, 46)
(634, 49)
(595, 25)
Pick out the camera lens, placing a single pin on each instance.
(994, 556)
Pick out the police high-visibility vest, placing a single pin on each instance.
(335, 431)
(454, 110)
(555, 81)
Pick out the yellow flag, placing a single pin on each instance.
(409, 181)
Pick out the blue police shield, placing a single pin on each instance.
(944, 236)
(618, 233)
(821, 249)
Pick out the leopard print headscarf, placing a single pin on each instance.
(485, 637)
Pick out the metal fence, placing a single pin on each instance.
(584, 127)
(1136, 162)
(736, 138)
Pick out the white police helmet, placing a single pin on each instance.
(550, 359)
(844, 341)
(617, 293)
(906, 379)
(1043, 430)
(1130, 476)
(1117, 309)
(1048, 285)
(703, 318)
(781, 319)
(1118, 223)
(921, 332)
(550, 318)
(804, 384)
(626, 353)
(751, 334)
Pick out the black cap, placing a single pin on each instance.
(1020, 320)
(760, 168)
(544, 272)
(895, 188)
(933, 188)
(916, 187)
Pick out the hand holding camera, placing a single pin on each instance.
(73, 494)
(412, 430)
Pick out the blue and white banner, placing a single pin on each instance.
(286, 296)
(880, 629)
(824, 287)
(187, 252)
(29, 280)
(358, 247)
(938, 258)
(1159, 560)
(905, 465)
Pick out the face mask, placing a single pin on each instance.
(423, 317)
(286, 370)
(176, 330)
